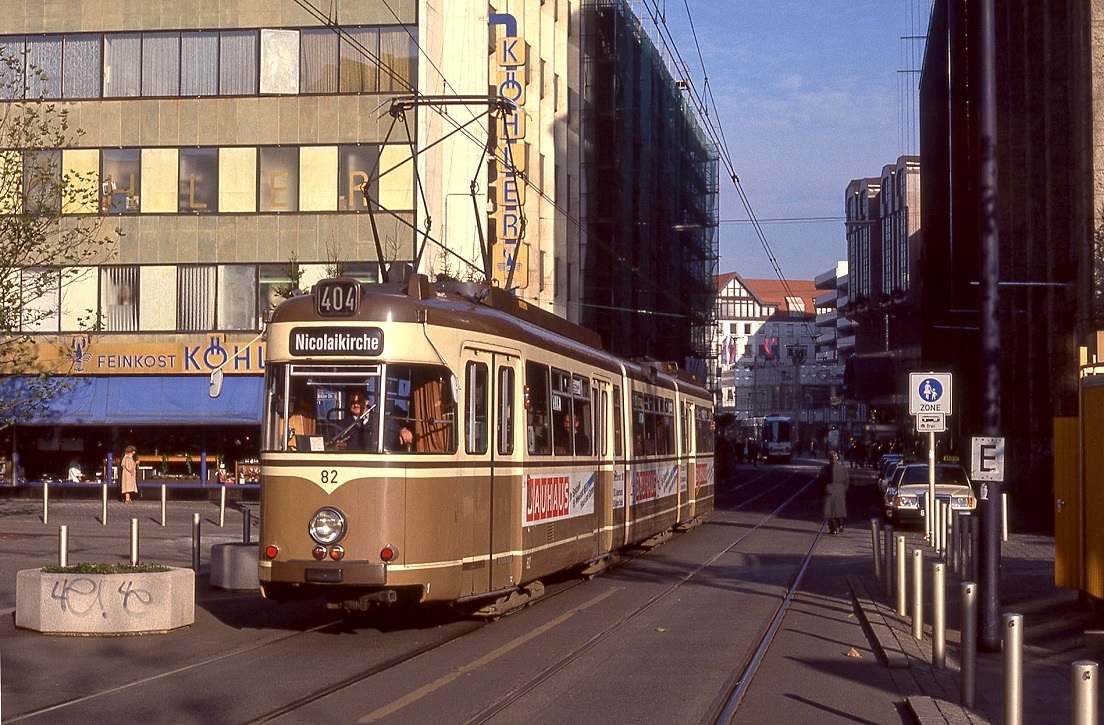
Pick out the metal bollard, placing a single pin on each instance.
(876, 548)
(103, 510)
(195, 543)
(917, 594)
(247, 524)
(222, 505)
(937, 527)
(164, 506)
(968, 683)
(45, 502)
(939, 617)
(1085, 698)
(902, 603)
(63, 545)
(1012, 647)
(889, 567)
(134, 542)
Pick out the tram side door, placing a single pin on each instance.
(492, 401)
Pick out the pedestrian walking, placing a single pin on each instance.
(835, 478)
(130, 474)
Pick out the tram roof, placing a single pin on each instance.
(488, 310)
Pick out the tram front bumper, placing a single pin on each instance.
(300, 571)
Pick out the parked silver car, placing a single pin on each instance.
(907, 490)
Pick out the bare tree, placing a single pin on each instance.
(51, 233)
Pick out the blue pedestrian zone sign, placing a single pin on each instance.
(929, 393)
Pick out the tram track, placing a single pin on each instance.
(249, 653)
(747, 671)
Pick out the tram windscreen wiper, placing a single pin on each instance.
(358, 420)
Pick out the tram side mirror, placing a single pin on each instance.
(216, 383)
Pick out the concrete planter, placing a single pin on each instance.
(88, 604)
(234, 567)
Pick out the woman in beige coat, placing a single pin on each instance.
(130, 474)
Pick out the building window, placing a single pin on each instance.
(318, 61)
(122, 65)
(120, 179)
(359, 51)
(279, 180)
(40, 292)
(356, 165)
(199, 173)
(238, 62)
(83, 66)
(195, 300)
(161, 64)
(199, 66)
(42, 182)
(119, 298)
(275, 283)
(237, 302)
(44, 75)
(398, 55)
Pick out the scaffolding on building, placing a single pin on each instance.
(651, 198)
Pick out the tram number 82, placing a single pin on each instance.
(337, 297)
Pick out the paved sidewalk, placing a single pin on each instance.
(1057, 632)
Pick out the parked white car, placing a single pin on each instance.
(907, 490)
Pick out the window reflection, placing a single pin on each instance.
(119, 181)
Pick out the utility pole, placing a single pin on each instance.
(989, 620)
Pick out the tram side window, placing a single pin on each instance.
(275, 409)
(643, 425)
(537, 409)
(665, 427)
(505, 411)
(684, 425)
(618, 430)
(583, 423)
(601, 428)
(420, 400)
(477, 406)
(562, 415)
(704, 431)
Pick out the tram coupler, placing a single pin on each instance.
(596, 566)
(365, 602)
(515, 600)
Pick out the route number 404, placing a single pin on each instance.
(337, 297)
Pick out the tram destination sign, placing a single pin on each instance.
(930, 393)
(337, 297)
(337, 341)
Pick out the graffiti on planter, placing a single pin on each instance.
(83, 597)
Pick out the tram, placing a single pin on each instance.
(444, 441)
(778, 435)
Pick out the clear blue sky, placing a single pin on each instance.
(809, 96)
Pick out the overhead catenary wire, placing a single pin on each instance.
(713, 129)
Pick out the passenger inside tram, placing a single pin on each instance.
(397, 435)
(302, 423)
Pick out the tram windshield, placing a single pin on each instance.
(388, 408)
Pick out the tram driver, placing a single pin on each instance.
(359, 435)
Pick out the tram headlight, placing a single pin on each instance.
(327, 526)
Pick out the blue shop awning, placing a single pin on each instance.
(146, 400)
